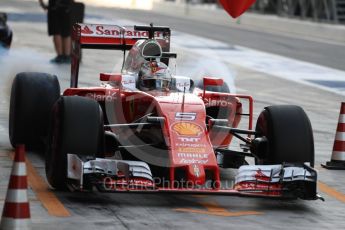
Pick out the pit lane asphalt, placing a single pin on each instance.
(157, 211)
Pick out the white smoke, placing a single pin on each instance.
(200, 57)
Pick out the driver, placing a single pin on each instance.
(154, 75)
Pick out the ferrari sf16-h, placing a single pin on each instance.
(145, 129)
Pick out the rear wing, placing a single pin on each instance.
(100, 36)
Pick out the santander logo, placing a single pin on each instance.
(86, 30)
(261, 176)
(113, 31)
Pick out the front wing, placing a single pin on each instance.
(275, 181)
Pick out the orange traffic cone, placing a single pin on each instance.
(338, 154)
(16, 212)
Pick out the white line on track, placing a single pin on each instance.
(275, 65)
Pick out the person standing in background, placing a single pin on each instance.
(59, 26)
(5, 32)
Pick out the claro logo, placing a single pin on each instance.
(102, 97)
(216, 102)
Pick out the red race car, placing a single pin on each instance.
(145, 130)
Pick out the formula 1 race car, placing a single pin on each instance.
(145, 130)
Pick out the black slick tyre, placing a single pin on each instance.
(289, 135)
(76, 128)
(32, 98)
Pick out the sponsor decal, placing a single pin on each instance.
(189, 139)
(128, 82)
(115, 32)
(185, 116)
(187, 129)
(193, 145)
(265, 187)
(196, 170)
(191, 150)
(100, 30)
(193, 155)
(102, 97)
(217, 102)
(155, 68)
(259, 175)
(193, 161)
(182, 85)
(86, 30)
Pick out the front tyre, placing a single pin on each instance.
(76, 128)
(32, 98)
(288, 136)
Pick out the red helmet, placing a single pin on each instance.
(154, 75)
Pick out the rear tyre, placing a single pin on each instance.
(76, 128)
(32, 98)
(289, 136)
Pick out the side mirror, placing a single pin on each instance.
(111, 77)
(125, 81)
(212, 81)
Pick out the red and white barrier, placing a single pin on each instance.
(338, 154)
(16, 212)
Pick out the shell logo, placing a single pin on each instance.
(187, 129)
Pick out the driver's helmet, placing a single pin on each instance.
(154, 75)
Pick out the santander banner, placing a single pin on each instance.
(113, 31)
(236, 7)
